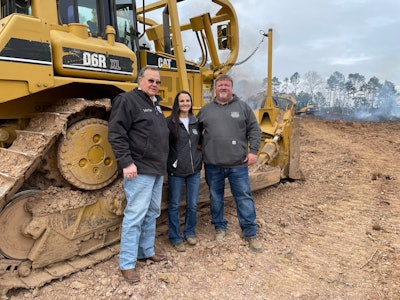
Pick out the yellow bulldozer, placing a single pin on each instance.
(61, 63)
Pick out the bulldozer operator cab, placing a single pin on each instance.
(96, 15)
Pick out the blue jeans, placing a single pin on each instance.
(143, 207)
(240, 187)
(175, 187)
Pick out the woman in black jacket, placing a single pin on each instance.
(184, 166)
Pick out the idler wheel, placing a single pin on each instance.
(13, 243)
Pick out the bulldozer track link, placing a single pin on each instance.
(19, 161)
(40, 277)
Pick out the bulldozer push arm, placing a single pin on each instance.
(61, 199)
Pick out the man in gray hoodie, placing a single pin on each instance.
(230, 143)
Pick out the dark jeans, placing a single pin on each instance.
(175, 187)
(240, 187)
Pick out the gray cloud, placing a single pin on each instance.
(348, 36)
(325, 36)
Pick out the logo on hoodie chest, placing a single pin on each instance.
(234, 114)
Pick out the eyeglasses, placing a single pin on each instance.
(158, 82)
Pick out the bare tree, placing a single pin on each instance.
(336, 86)
(373, 88)
(355, 90)
(276, 85)
(312, 81)
(295, 81)
(285, 85)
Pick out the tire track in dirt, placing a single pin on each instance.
(337, 231)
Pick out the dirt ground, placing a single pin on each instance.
(335, 235)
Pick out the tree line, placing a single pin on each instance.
(339, 93)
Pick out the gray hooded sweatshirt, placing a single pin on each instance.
(230, 131)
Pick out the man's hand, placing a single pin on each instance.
(130, 171)
(251, 159)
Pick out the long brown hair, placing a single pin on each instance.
(174, 124)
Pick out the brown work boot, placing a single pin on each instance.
(192, 240)
(130, 275)
(180, 247)
(157, 257)
(254, 244)
(220, 235)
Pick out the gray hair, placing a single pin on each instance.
(224, 77)
(144, 69)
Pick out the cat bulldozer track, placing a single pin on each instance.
(61, 63)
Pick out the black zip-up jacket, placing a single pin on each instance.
(138, 133)
(184, 155)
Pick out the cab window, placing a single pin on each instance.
(80, 11)
(15, 6)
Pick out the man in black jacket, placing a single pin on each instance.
(138, 134)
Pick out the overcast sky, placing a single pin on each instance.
(348, 36)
